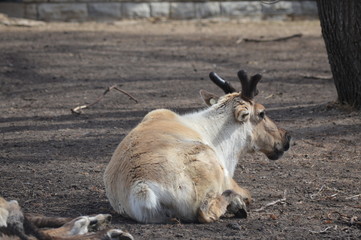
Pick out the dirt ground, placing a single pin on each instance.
(52, 161)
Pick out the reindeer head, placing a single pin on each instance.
(266, 137)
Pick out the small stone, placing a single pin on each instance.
(234, 226)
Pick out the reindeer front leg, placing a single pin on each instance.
(212, 208)
(244, 193)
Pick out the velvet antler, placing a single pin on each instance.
(249, 86)
(224, 85)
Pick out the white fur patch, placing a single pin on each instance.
(144, 202)
(116, 234)
(222, 133)
(155, 203)
(80, 226)
(3, 217)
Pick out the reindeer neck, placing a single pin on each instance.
(220, 131)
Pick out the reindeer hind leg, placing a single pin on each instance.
(212, 208)
(47, 222)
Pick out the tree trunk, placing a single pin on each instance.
(341, 30)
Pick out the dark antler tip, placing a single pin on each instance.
(256, 77)
(224, 85)
(242, 73)
(215, 78)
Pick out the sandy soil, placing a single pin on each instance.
(52, 161)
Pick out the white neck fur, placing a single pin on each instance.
(219, 129)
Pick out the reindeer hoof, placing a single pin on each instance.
(116, 234)
(237, 205)
(241, 214)
(99, 222)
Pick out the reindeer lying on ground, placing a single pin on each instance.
(181, 166)
(15, 225)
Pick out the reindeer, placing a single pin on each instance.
(14, 225)
(182, 166)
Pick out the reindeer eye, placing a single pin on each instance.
(262, 114)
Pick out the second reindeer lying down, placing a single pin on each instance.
(15, 225)
(182, 166)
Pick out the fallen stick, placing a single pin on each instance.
(320, 232)
(351, 220)
(273, 40)
(355, 196)
(77, 110)
(312, 196)
(282, 200)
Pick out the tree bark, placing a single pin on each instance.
(341, 31)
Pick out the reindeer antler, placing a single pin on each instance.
(249, 86)
(224, 85)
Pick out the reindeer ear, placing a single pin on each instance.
(208, 98)
(241, 113)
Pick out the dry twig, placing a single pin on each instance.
(273, 40)
(322, 189)
(351, 220)
(355, 196)
(312, 196)
(77, 110)
(282, 200)
(321, 232)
